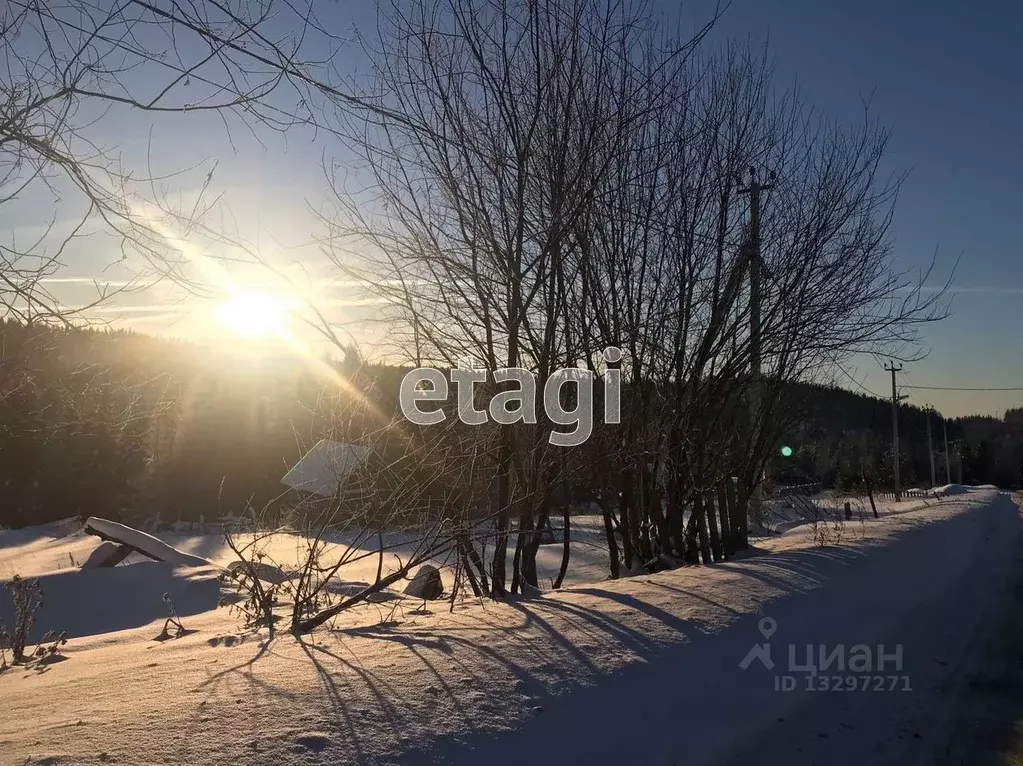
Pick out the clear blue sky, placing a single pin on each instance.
(945, 76)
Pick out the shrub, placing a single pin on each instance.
(28, 598)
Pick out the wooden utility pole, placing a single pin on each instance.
(948, 472)
(895, 429)
(930, 446)
(754, 190)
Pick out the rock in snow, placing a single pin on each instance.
(107, 554)
(265, 572)
(426, 584)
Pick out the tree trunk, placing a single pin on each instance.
(499, 566)
(715, 540)
(700, 517)
(737, 516)
(692, 546)
(477, 589)
(660, 522)
(675, 522)
(643, 522)
(472, 559)
(532, 545)
(870, 493)
(626, 521)
(727, 544)
(566, 551)
(612, 545)
(517, 560)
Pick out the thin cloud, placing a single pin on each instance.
(86, 281)
(184, 308)
(168, 308)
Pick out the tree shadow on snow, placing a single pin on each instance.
(485, 666)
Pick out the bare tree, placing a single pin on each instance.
(70, 68)
(532, 184)
(510, 116)
(560, 181)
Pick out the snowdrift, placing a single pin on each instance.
(87, 602)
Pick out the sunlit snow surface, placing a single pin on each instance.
(539, 680)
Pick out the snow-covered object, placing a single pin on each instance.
(325, 467)
(426, 584)
(952, 489)
(107, 554)
(143, 543)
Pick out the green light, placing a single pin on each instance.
(786, 451)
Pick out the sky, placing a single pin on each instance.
(943, 75)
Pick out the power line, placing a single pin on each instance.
(907, 380)
(858, 384)
(866, 390)
(956, 388)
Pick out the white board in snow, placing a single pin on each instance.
(325, 467)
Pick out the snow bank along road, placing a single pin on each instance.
(645, 670)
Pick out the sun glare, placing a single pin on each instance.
(255, 314)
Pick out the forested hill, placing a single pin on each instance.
(837, 426)
(112, 423)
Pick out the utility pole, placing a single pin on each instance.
(930, 447)
(944, 431)
(754, 190)
(895, 428)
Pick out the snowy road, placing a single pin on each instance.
(933, 591)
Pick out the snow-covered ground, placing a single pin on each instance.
(645, 669)
(88, 602)
(785, 513)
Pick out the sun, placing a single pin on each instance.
(255, 314)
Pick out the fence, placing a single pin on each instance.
(918, 494)
(786, 490)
